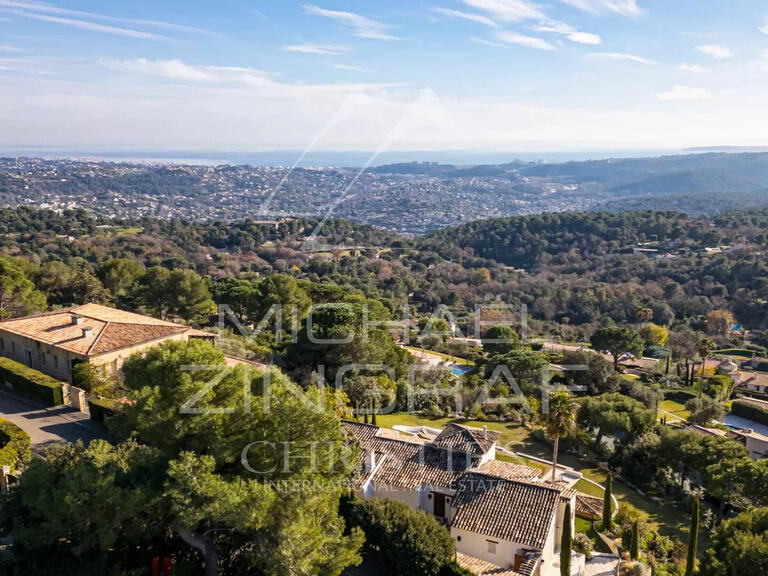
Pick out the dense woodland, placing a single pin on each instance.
(570, 270)
(578, 276)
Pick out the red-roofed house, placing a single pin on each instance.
(53, 342)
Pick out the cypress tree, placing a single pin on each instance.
(634, 548)
(608, 503)
(566, 544)
(365, 417)
(693, 538)
(373, 416)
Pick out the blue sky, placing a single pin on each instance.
(394, 75)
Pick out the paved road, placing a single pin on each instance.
(48, 425)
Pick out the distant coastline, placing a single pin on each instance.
(350, 159)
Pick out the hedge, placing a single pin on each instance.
(751, 411)
(15, 445)
(101, 409)
(31, 382)
(679, 396)
(748, 352)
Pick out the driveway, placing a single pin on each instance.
(602, 565)
(46, 425)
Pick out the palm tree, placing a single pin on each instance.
(705, 348)
(644, 314)
(560, 421)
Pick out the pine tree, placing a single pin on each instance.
(634, 548)
(566, 544)
(693, 538)
(608, 503)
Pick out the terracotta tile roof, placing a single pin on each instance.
(363, 435)
(466, 439)
(409, 465)
(363, 432)
(510, 511)
(589, 507)
(482, 568)
(755, 379)
(118, 335)
(101, 329)
(406, 464)
(508, 470)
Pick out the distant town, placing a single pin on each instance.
(411, 198)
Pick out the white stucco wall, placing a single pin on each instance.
(410, 497)
(428, 504)
(758, 448)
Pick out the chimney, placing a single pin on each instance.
(87, 332)
(370, 461)
(485, 432)
(77, 320)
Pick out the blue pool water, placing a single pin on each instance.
(460, 369)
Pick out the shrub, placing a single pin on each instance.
(31, 382)
(583, 544)
(409, 542)
(15, 445)
(101, 409)
(750, 411)
(704, 410)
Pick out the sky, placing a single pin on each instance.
(383, 75)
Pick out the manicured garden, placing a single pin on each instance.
(673, 411)
(661, 517)
(446, 357)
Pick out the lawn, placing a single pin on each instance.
(512, 435)
(447, 357)
(673, 410)
(663, 518)
(587, 527)
(589, 489)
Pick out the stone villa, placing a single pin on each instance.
(501, 515)
(54, 342)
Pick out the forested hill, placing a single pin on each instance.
(540, 240)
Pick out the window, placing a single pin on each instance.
(28, 358)
(2, 344)
(55, 361)
(13, 347)
(458, 538)
(42, 358)
(491, 546)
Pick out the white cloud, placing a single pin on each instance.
(585, 38)
(716, 51)
(9, 48)
(100, 109)
(622, 56)
(623, 7)
(694, 68)
(180, 71)
(508, 10)
(486, 42)
(569, 32)
(763, 62)
(86, 25)
(350, 68)
(361, 26)
(522, 40)
(321, 49)
(685, 93)
(764, 27)
(44, 8)
(478, 18)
